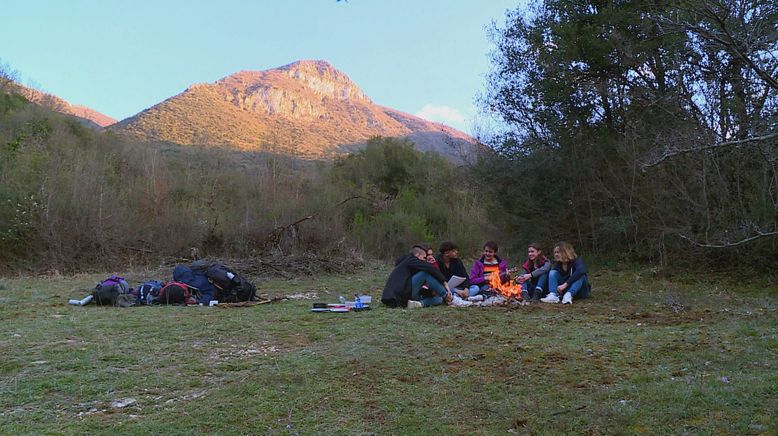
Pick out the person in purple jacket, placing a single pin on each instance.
(483, 269)
(568, 277)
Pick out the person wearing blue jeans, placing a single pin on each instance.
(568, 277)
(481, 274)
(534, 279)
(418, 280)
(402, 288)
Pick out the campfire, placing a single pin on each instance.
(509, 290)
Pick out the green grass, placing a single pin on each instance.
(644, 355)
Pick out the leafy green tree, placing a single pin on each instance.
(656, 119)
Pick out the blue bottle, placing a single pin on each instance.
(358, 302)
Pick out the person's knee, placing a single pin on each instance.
(553, 274)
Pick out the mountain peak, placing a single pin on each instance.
(318, 66)
(308, 108)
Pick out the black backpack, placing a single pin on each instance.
(230, 287)
(107, 292)
(147, 289)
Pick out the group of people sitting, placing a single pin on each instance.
(421, 279)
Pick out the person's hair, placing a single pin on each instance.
(416, 250)
(537, 248)
(566, 251)
(491, 244)
(446, 246)
(424, 247)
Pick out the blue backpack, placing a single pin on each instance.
(197, 280)
(146, 290)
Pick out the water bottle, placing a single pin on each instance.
(83, 302)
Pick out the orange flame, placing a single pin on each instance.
(507, 289)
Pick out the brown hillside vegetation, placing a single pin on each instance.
(89, 117)
(307, 108)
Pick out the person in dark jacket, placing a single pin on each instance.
(451, 265)
(534, 278)
(411, 271)
(568, 277)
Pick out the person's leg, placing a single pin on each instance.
(579, 286)
(541, 285)
(553, 280)
(472, 290)
(436, 287)
(432, 301)
(417, 281)
(475, 290)
(575, 287)
(526, 290)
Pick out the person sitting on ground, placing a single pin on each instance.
(451, 265)
(483, 269)
(534, 280)
(568, 276)
(411, 271)
(425, 289)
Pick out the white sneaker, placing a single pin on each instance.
(567, 299)
(459, 302)
(550, 298)
(413, 304)
(475, 298)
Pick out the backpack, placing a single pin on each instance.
(197, 279)
(107, 292)
(146, 290)
(174, 293)
(231, 288)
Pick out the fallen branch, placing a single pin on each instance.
(568, 410)
(274, 238)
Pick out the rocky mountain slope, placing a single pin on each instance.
(307, 108)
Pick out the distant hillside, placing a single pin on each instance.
(307, 108)
(89, 117)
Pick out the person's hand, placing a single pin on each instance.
(462, 293)
(448, 297)
(562, 287)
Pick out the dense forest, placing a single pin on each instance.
(639, 131)
(645, 130)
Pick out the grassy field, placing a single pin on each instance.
(644, 355)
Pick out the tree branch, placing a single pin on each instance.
(759, 234)
(671, 153)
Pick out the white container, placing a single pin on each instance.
(213, 303)
(83, 302)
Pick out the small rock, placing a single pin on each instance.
(118, 404)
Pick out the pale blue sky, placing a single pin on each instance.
(120, 57)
